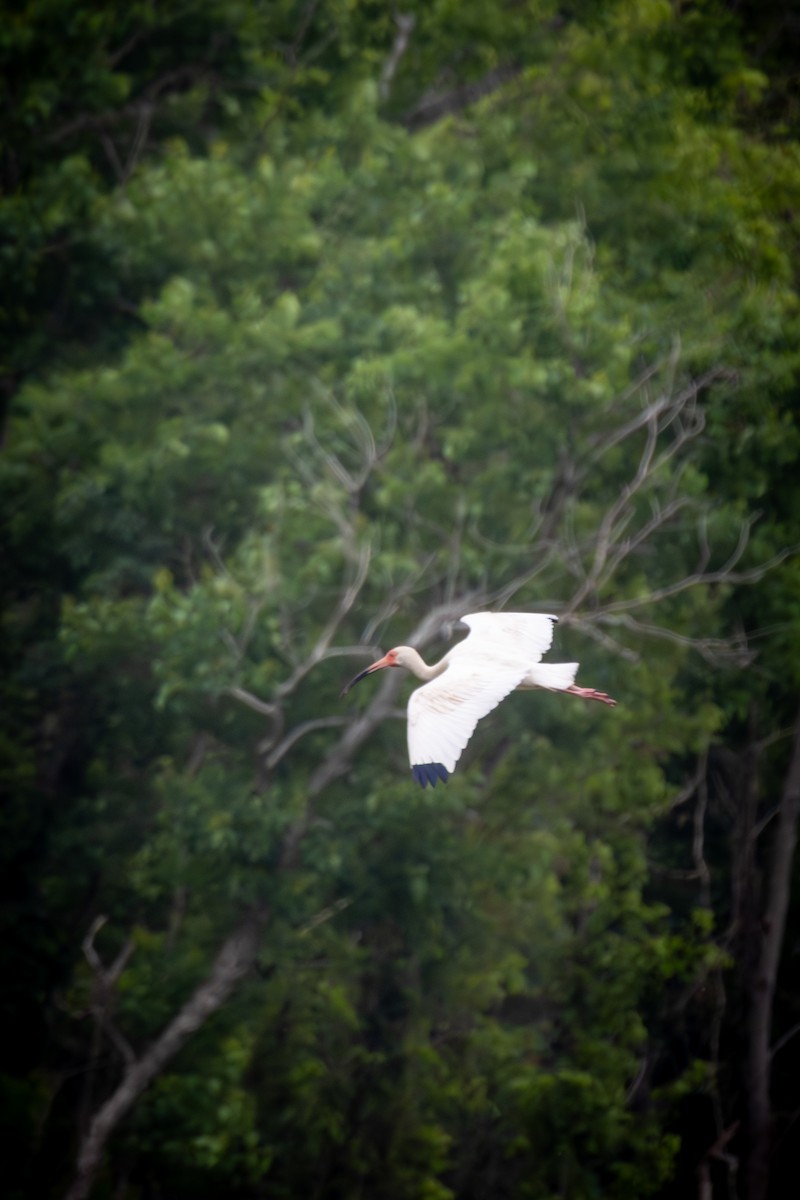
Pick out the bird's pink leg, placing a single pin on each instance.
(590, 694)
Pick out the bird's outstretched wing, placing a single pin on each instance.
(442, 714)
(508, 635)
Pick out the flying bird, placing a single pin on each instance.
(501, 653)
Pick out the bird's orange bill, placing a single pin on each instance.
(376, 666)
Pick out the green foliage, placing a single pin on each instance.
(335, 373)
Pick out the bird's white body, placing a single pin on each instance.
(501, 653)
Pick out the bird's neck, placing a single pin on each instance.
(417, 666)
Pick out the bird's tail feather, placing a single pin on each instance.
(556, 677)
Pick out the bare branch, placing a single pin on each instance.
(199, 750)
(698, 832)
(215, 552)
(678, 413)
(330, 460)
(115, 57)
(398, 594)
(405, 23)
(605, 640)
(325, 914)
(364, 649)
(666, 403)
(121, 1043)
(264, 707)
(784, 1040)
(234, 960)
(273, 708)
(145, 118)
(299, 731)
(762, 985)
(435, 105)
(725, 574)
(704, 544)
(346, 602)
(684, 874)
(107, 142)
(139, 110)
(765, 822)
(102, 1002)
(357, 426)
(741, 544)
(723, 651)
(87, 945)
(302, 30)
(119, 964)
(692, 785)
(605, 531)
(659, 518)
(338, 759)
(636, 1083)
(717, 1151)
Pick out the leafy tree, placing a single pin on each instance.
(386, 377)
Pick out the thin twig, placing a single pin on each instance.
(275, 755)
(325, 914)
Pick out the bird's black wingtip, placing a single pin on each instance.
(429, 773)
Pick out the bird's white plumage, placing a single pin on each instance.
(501, 653)
(442, 714)
(491, 662)
(523, 636)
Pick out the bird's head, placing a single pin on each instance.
(395, 658)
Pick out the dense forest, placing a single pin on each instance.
(325, 322)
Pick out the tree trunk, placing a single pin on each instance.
(239, 950)
(234, 960)
(762, 989)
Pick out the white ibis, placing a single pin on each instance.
(501, 653)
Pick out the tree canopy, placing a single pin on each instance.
(326, 324)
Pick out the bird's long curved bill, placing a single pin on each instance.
(376, 666)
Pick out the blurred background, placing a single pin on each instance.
(324, 323)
